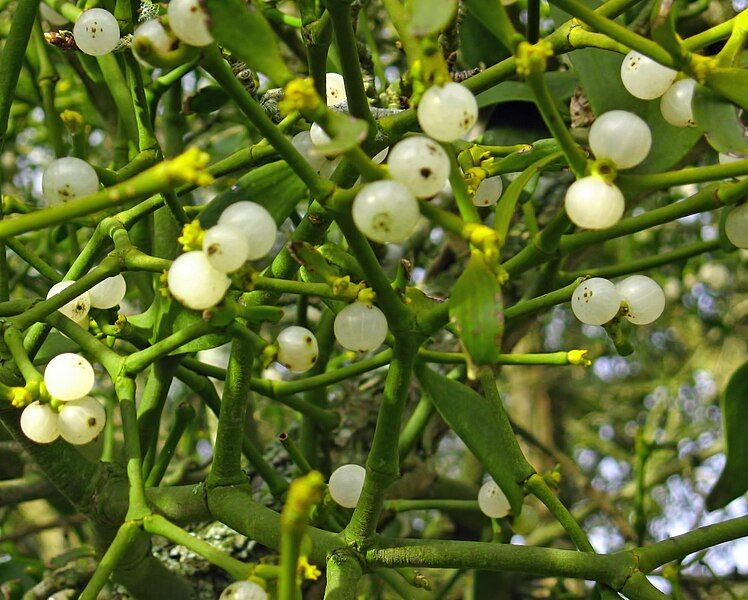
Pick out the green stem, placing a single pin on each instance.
(158, 525)
(182, 417)
(139, 361)
(343, 574)
(413, 428)
(657, 181)
(126, 536)
(226, 468)
(438, 504)
(138, 505)
(294, 452)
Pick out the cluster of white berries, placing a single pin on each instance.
(69, 378)
(245, 231)
(244, 590)
(345, 484)
(623, 139)
(105, 294)
(68, 178)
(596, 301)
(646, 79)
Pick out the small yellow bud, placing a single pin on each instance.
(532, 58)
(578, 357)
(20, 397)
(73, 121)
(188, 167)
(367, 296)
(341, 285)
(480, 235)
(192, 236)
(300, 95)
(473, 178)
(307, 570)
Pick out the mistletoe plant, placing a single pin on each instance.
(296, 244)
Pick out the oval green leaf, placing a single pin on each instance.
(720, 121)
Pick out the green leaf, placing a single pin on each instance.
(429, 17)
(730, 83)
(240, 28)
(205, 100)
(493, 16)
(484, 427)
(347, 133)
(477, 310)
(720, 121)
(598, 71)
(561, 84)
(733, 482)
(275, 186)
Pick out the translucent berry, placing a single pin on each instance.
(335, 86)
(226, 247)
(68, 178)
(420, 164)
(489, 191)
(492, 501)
(448, 112)
(360, 327)
(385, 211)
(595, 301)
(96, 32)
(302, 141)
(736, 226)
(39, 423)
(346, 483)
(644, 297)
(320, 138)
(527, 520)
(51, 16)
(152, 36)
(244, 590)
(109, 292)
(675, 104)
(195, 283)
(379, 157)
(621, 137)
(255, 222)
(297, 349)
(715, 275)
(189, 22)
(592, 203)
(644, 78)
(68, 377)
(80, 421)
(77, 309)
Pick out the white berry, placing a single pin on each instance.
(68, 178)
(346, 483)
(77, 309)
(68, 377)
(595, 301)
(152, 36)
(715, 275)
(39, 423)
(360, 327)
(189, 22)
(527, 520)
(297, 349)
(302, 141)
(644, 78)
(195, 283)
(256, 223)
(335, 87)
(644, 297)
(675, 104)
(244, 590)
(109, 292)
(96, 32)
(736, 226)
(385, 211)
(492, 501)
(448, 112)
(379, 157)
(488, 191)
(226, 247)
(320, 138)
(51, 16)
(592, 203)
(621, 137)
(420, 164)
(80, 421)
